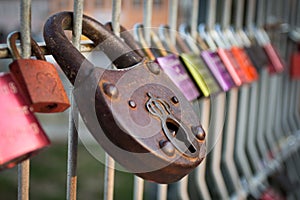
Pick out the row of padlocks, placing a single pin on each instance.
(212, 106)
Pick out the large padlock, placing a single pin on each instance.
(135, 113)
(20, 132)
(38, 79)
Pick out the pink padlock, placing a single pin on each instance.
(20, 132)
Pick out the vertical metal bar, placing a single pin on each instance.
(138, 188)
(116, 13)
(230, 172)
(147, 20)
(24, 167)
(173, 15)
(292, 122)
(229, 141)
(297, 98)
(225, 21)
(239, 14)
(250, 14)
(109, 178)
(71, 193)
(217, 184)
(211, 14)
(216, 130)
(182, 188)
(162, 191)
(109, 173)
(194, 18)
(200, 172)
(241, 132)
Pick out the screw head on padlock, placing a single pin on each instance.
(20, 132)
(146, 125)
(38, 79)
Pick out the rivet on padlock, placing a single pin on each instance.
(38, 79)
(20, 132)
(143, 129)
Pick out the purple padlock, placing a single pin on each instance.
(218, 69)
(172, 66)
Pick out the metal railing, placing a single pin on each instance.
(245, 125)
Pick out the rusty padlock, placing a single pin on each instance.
(20, 132)
(38, 79)
(136, 113)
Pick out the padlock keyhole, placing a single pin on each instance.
(177, 131)
(52, 106)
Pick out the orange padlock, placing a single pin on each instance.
(245, 63)
(38, 79)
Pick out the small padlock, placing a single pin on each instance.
(20, 132)
(245, 63)
(295, 64)
(241, 56)
(258, 56)
(190, 56)
(171, 65)
(276, 63)
(214, 62)
(38, 79)
(224, 51)
(136, 114)
(218, 69)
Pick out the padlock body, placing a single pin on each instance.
(20, 132)
(218, 69)
(257, 56)
(173, 67)
(201, 74)
(40, 85)
(245, 63)
(238, 75)
(131, 133)
(295, 66)
(276, 63)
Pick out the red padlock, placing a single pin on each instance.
(295, 64)
(38, 79)
(276, 63)
(20, 132)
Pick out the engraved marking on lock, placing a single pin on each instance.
(9, 88)
(172, 128)
(48, 78)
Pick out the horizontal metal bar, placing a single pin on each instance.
(86, 46)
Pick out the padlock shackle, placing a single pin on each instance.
(127, 37)
(11, 44)
(70, 59)
(140, 37)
